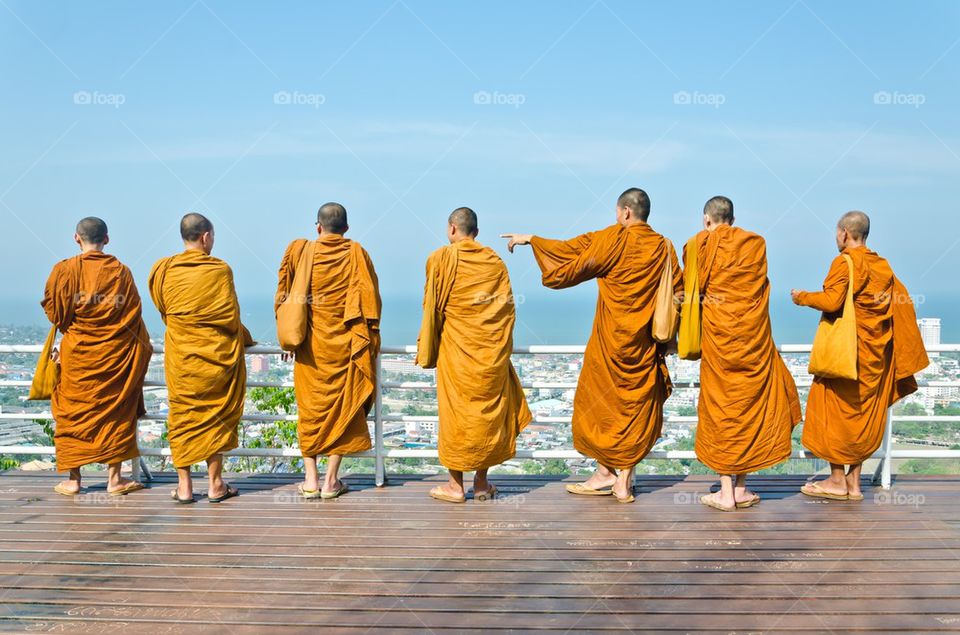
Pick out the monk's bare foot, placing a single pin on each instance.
(451, 490)
(622, 489)
(853, 487)
(743, 495)
(719, 500)
(69, 486)
(599, 481)
(310, 486)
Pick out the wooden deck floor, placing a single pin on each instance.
(391, 559)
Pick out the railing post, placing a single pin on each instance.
(381, 468)
(886, 472)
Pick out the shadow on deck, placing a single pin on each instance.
(538, 558)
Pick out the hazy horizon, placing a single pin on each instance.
(402, 111)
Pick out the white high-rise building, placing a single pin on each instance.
(929, 331)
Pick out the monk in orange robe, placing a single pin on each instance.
(103, 355)
(467, 335)
(618, 405)
(203, 356)
(334, 370)
(748, 399)
(845, 418)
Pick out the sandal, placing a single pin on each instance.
(181, 501)
(582, 490)
(308, 494)
(230, 493)
(749, 503)
(337, 493)
(815, 491)
(63, 491)
(489, 494)
(134, 486)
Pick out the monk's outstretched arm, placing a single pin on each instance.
(830, 300)
(568, 263)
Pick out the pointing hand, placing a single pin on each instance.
(516, 239)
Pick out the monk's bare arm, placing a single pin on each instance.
(830, 300)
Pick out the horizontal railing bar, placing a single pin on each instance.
(426, 453)
(267, 418)
(422, 385)
(518, 350)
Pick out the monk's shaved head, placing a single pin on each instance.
(193, 226)
(637, 201)
(719, 209)
(856, 223)
(465, 220)
(333, 218)
(92, 230)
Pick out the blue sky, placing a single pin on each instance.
(535, 114)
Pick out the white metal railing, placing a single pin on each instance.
(380, 453)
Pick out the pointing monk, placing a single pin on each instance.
(203, 357)
(334, 370)
(91, 298)
(748, 399)
(845, 418)
(467, 335)
(618, 405)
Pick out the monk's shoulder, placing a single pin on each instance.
(611, 233)
(749, 237)
(295, 247)
(438, 255)
(64, 266)
(160, 264)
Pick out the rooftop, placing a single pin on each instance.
(391, 559)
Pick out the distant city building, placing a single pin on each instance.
(930, 332)
(260, 364)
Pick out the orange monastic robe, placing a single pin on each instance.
(104, 355)
(203, 354)
(845, 419)
(618, 406)
(748, 399)
(467, 335)
(334, 370)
